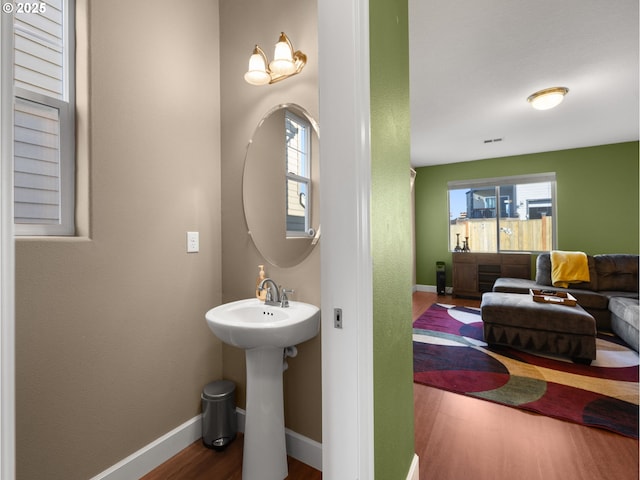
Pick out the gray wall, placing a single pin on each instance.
(112, 346)
(244, 23)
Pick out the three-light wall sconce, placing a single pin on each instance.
(286, 63)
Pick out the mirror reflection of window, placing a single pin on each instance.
(298, 181)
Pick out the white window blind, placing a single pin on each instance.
(44, 157)
(39, 50)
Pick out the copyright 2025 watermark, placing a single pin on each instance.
(24, 7)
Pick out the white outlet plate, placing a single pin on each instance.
(193, 242)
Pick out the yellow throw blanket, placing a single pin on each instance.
(569, 267)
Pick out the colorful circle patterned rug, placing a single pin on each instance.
(449, 353)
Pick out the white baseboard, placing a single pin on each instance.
(162, 449)
(432, 289)
(298, 446)
(304, 449)
(414, 470)
(156, 453)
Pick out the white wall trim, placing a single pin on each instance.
(425, 288)
(431, 289)
(162, 449)
(298, 446)
(304, 449)
(156, 453)
(347, 270)
(7, 256)
(414, 470)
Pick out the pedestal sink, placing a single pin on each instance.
(264, 332)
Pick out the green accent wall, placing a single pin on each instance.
(391, 239)
(597, 200)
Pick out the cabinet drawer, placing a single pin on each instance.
(487, 258)
(464, 258)
(515, 259)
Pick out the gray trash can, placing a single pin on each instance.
(219, 423)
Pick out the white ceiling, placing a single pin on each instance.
(474, 63)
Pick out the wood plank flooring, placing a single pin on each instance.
(197, 462)
(460, 438)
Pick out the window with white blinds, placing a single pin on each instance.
(44, 157)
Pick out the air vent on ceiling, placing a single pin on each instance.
(493, 140)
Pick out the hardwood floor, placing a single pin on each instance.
(197, 462)
(460, 438)
(423, 300)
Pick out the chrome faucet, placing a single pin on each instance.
(273, 295)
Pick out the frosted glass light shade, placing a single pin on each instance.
(547, 98)
(257, 73)
(282, 63)
(282, 67)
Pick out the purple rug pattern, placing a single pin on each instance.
(450, 354)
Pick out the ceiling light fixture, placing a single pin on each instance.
(285, 64)
(547, 98)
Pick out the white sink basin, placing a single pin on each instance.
(265, 332)
(251, 324)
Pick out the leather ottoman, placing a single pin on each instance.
(515, 320)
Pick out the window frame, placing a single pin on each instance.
(497, 182)
(299, 179)
(67, 134)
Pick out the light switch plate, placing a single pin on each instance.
(193, 242)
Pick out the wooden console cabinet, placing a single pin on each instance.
(475, 273)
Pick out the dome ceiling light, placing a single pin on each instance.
(547, 98)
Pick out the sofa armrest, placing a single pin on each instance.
(514, 285)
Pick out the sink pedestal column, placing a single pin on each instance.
(265, 453)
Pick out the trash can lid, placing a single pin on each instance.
(218, 389)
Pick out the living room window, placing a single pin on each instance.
(44, 118)
(506, 214)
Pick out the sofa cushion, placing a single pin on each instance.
(625, 317)
(543, 273)
(618, 293)
(514, 285)
(617, 272)
(543, 269)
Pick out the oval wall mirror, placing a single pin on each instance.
(280, 185)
